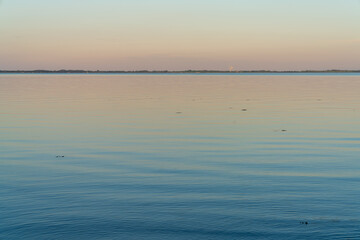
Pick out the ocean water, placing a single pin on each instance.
(179, 156)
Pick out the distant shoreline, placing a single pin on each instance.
(170, 72)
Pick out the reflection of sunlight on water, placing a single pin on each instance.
(169, 154)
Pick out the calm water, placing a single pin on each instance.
(179, 157)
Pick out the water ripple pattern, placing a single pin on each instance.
(179, 156)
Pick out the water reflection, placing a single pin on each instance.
(176, 156)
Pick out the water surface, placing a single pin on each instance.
(179, 156)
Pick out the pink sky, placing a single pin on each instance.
(172, 35)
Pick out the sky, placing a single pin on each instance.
(179, 34)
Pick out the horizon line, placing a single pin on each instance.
(177, 71)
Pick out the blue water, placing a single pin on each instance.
(179, 157)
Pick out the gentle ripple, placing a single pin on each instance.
(179, 156)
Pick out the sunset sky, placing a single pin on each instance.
(179, 35)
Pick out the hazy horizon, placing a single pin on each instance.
(159, 35)
(185, 70)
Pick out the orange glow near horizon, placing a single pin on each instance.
(249, 35)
